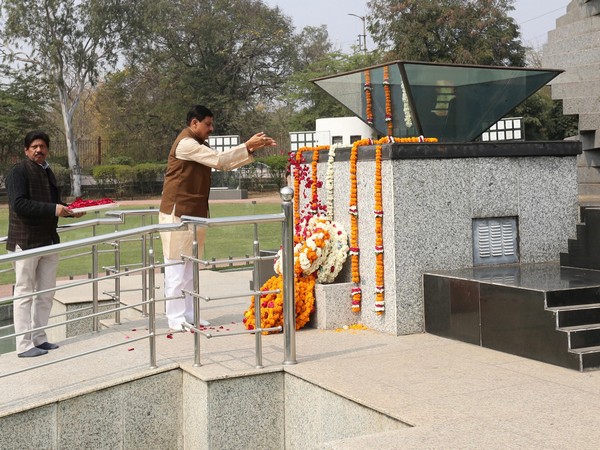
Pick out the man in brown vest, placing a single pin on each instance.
(185, 193)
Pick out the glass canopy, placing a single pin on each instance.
(454, 103)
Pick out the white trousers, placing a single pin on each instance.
(31, 275)
(177, 278)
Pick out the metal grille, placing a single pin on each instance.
(495, 241)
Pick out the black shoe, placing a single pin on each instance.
(47, 346)
(34, 351)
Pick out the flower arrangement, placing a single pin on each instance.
(271, 305)
(320, 248)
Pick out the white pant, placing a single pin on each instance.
(33, 274)
(177, 278)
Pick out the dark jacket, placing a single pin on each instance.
(32, 198)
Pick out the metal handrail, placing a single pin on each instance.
(286, 218)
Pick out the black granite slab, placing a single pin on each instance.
(539, 311)
(459, 150)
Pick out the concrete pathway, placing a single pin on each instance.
(454, 395)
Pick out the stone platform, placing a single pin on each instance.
(351, 389)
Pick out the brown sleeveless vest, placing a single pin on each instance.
(186, 185)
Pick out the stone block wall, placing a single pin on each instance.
(573, 46)
(429, 205)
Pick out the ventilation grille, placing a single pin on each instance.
(495, 241)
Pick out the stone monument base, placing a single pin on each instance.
(332, 307)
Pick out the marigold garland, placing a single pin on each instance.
(379, 281)
(353, 210)
(271, 305)
(388, 100)
(368, 97)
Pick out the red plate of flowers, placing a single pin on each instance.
(81, 205)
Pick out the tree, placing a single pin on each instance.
(305, 101)
(64, 44)
(451, 31)
(23, 107)
(230, 55)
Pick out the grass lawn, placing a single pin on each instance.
(235, 241)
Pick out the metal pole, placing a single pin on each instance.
(152, 311)
(96, 319)
(256, 288)
(145, 272)
(196, 281)
(289, 301)
(364, 35)
(118, 281)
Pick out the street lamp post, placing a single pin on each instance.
(364, 35)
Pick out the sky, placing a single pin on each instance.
(534, 17)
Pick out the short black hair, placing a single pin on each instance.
(198, 112)
(36, 134)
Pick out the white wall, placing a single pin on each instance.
(327, 129)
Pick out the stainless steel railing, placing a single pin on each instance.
(149, 267)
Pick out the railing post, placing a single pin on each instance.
(118, 281)
(196, 281)
(256, 288)
(145, 273)
(152, 310)
(289, 301)
(96, 319)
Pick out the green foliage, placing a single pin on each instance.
(63, 178)
(120, 160)
(453, 31)
(68, 43)
(278, 166)
(122, 180)
(310, 102)
(22, 109)
(543, 118)
(230, 55)
(148, 175)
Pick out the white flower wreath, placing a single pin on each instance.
(330, 256)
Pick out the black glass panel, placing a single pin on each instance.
(450, 102)
(457, 104)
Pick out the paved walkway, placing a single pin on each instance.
(454, 395)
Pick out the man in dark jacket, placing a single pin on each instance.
(34, 208)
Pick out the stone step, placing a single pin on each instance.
(573, 316)
(580, 336)
(589, 357)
